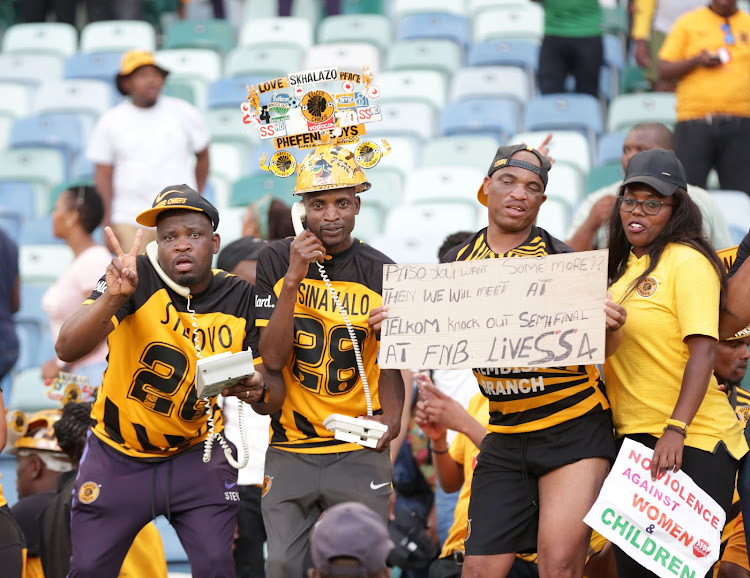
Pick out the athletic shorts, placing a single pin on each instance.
(504, 506)
(736, 549)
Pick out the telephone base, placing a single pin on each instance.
(364, 432)
(213, 374)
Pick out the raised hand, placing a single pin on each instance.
(122, 272)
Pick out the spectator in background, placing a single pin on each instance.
(589, 227)
(78, 212)
(652, 21)
(268, 218)
(114, 9)
(572, 45)
(37, 10)
(241, 258)
(349, 540)
(143, 144)
(707, 53)
(10, 302)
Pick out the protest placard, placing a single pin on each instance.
(531, 312)
(670, 526)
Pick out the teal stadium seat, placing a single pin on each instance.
(627, 110)
(249, 189)
(401, 8)
(41, 166)
(362, 6)
(215, 35)
(603, 175)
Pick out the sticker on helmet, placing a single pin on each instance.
(317, 106)
(367, 154)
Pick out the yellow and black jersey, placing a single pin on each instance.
(321, 374)
(740, 400)
(524, 399)
(147, 406)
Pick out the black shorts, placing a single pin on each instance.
(504, 506)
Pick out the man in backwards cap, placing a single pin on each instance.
(550, 441)
(160, 314)
(143, 144)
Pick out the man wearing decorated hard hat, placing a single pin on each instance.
(143, 144)
(305, 334)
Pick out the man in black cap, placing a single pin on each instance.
(550, 441)
(161, 313)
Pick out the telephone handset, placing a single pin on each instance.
(152, 250)
(364, 432)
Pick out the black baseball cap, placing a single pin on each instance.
(243, 249)
(657, 168)
(178, 197)
(503, 158)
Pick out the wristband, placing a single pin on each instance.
(677, 429)
(433, 450)
(677, 423)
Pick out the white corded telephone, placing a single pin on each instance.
(364, 432)
(212, 372)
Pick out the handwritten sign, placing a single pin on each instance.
(532, 312)
(728, 256)
(670, 526)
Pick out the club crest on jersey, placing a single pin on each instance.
(267, 482)
(647, 287)
(88, 492)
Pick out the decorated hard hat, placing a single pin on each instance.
(329, 167)
(40, 435)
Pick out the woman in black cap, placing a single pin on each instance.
(659, 380)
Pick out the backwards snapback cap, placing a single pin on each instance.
(503, 158)
(657, 168)
(350, 530)
(132, 61)
(178, 197)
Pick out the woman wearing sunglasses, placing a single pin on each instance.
(659, 380)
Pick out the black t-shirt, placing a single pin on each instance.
(742, 253)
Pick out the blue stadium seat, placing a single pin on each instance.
(609, 147)
(523, 53)
(31, 69)
(436, 26)
(30, 335)
(496, 117)
(231, 92)
(29, 394)
(38, 231)
(11, 223)
(177, 560)
(8, 477)
(61, 132)
(96, 65)
(31, 302)
(77, 95)
(18, 197)
(736, 208)
(563, 111)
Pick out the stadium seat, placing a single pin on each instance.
(57, 38)
(16, 100)
(6, 126)
(96, 65)
(492, 81)
(412, 119)
(566, 184)
(285, 31)
(387, 186)
(192, 90)
(177, 560)
(439, 184)
(736, 208)
(374, 29)
(349, 57)
(633, 80)
(566, 147)
(61, 132)
(85, 96)
(401, 8)
(42, 166)
(269, 61)
(581, 112)
(38, 231)
(230, 160)
(554, 217)
(230, 224)
(602, 175)
(475, 7)
(369, 222)
(521, 53)
(627, 110)
(18, 197)
(117, 36)
(444, 218)
(30, 334)
(83, 169)
(408, 157)
(411, 247)
(225, 125)
(29, 394)
(614, 53)
(424, 86)
(436, 26)
(476, 151)
(8, 466)
(310, 10)
(10, 222)
(615, 20)
(43, 263)
(230, 93)
(519, 20)
(199, 63)
(443, 56)
(362, 6)
(251, 188)
(494, 117)
(609, 147)
(215, 35)
(31, 302)
(255, 9)
(30, 69)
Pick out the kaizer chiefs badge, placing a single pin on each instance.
(647, 287)
(367, 154)
(283, 163)
(317, 106)
(88, 492)
(267, 481)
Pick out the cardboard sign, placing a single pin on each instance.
(728, 257)
(531, 312)
(670, 526)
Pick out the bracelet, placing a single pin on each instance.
(677, 429)
(433, 450)
(678, 423)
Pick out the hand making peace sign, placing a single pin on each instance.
(122, 273)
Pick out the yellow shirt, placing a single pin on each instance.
(644, 377)
(145, 559)
(463, 451)
(724, 89)
(643, 14)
